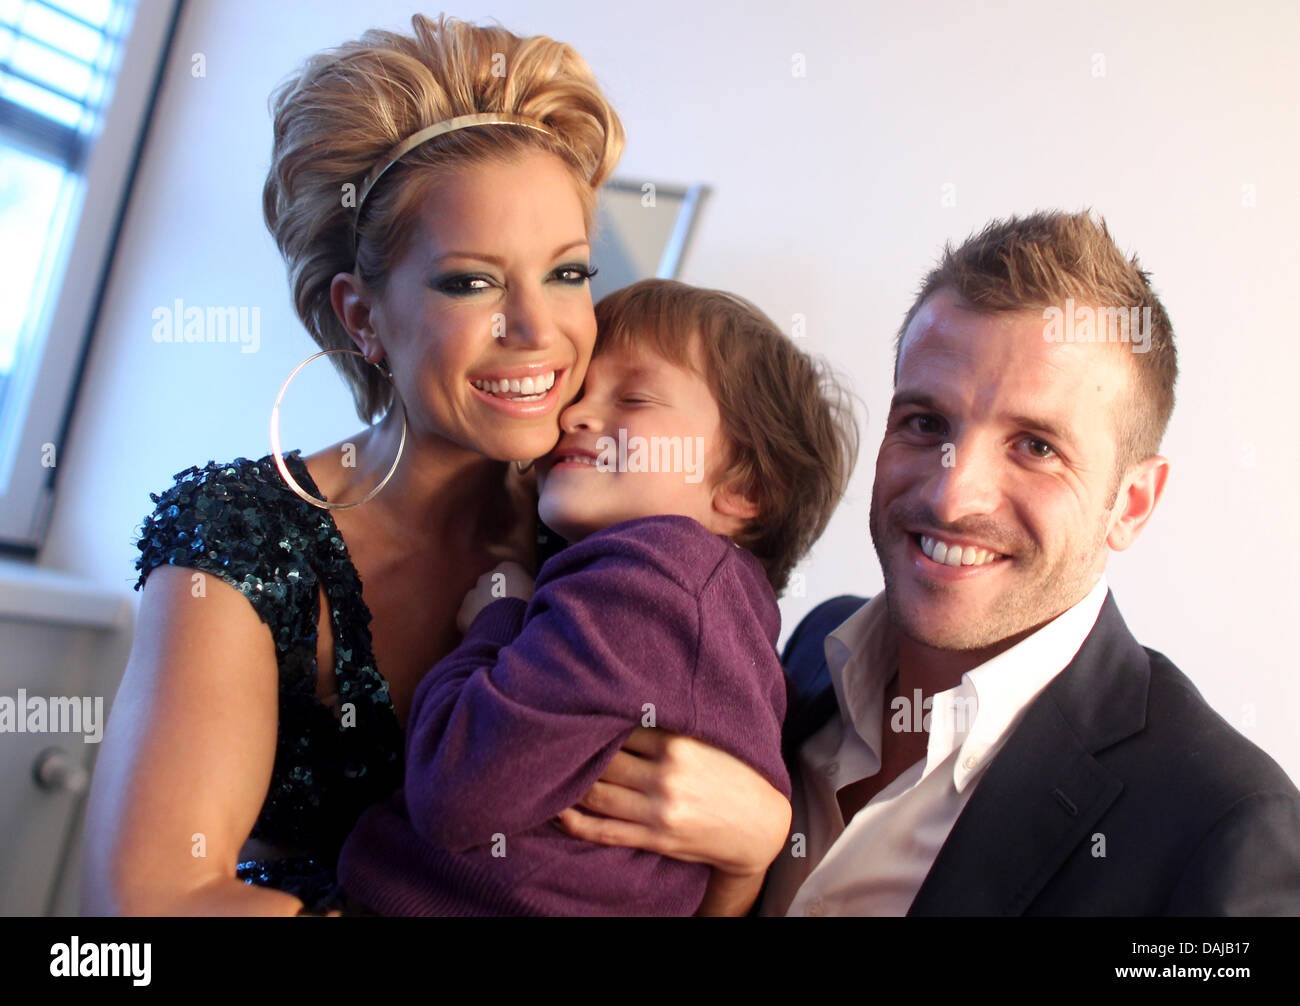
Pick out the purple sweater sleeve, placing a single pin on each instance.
(523, 717)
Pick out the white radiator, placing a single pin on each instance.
(63, 647)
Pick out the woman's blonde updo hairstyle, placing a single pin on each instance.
(347, 107)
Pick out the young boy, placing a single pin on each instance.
(702, 461)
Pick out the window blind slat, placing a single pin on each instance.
(68, 34)
(17, 35)
(72, 16)
(17, 74)
(21, 127)
(56, 63)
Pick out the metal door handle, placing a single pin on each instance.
(57, 771)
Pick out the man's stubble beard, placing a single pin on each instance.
(1014, 613)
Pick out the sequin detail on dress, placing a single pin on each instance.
(241, 523)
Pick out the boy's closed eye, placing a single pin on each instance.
(635, 399)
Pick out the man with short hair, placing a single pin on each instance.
(986, 737)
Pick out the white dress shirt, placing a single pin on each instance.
(876, 863)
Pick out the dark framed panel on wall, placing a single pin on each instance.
(643, 230)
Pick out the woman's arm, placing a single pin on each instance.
(186, 759)
(679, 797)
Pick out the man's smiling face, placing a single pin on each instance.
(1002, 445)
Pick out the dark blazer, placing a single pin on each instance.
(1119, 755)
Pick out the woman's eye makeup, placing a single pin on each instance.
(462, 284)
(575, 273)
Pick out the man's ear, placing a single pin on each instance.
(1139, 492)
(351, 303)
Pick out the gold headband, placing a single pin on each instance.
(438, 129)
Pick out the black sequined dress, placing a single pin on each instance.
(241, 523)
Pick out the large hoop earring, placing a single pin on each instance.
(279, 454)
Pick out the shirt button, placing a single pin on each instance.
(970, 762)
(832, 770)
(813, 909)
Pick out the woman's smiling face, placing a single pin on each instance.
(489, 300)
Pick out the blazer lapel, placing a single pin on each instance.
(1044, 790)
(811, 697)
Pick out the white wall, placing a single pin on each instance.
(827, 203)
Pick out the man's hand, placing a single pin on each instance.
(508, 579)
(679, 797)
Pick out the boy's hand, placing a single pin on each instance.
(508, 579)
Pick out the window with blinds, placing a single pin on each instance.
(62, 64)
(56, 64)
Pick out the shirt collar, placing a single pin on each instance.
(978, 714)
(1004, 686)
(862, 655)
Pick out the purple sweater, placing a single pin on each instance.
(656, 616)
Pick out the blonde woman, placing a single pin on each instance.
(433, 197)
